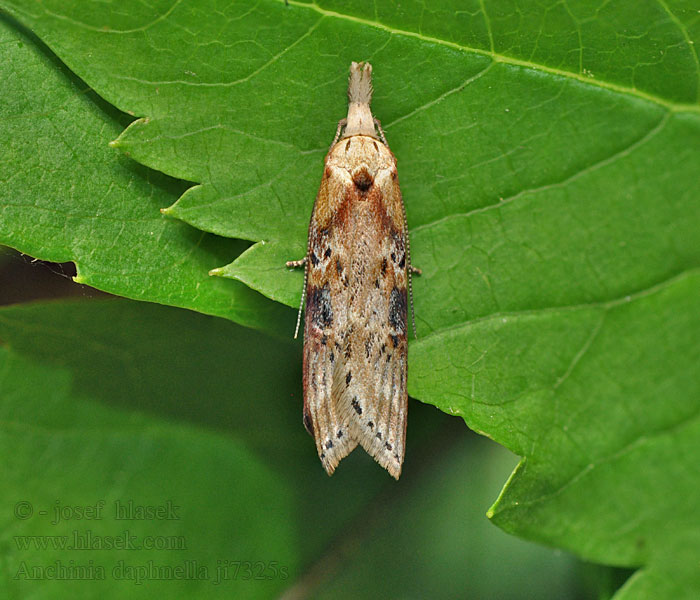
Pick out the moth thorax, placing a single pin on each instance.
(362, 179)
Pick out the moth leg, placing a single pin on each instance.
(381, 132)
(293, 264)
(342, 123)
(414, 270)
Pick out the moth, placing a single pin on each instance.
(357, 284)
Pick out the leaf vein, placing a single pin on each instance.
(638, 440)
(224, 84)
(604, 305)
(688, 42)
(620, 154)
(441, 97)
(580, 354)
(142, 28)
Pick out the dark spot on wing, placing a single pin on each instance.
(384, 265)
(327, 253)
(397, 310)
(329, 444)
(338, 266)
(402, 262)
(395, 340)
(332, 357)
(339, 434)
(388, 446)
(348, 378)
(308, 423)
(324, 339)
(319, 307)
(347, 146)
(399, 240)
(314, 259)
(356, 405)
(370, 424)
(379, 435)
(376, 148)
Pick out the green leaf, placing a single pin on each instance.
(66, 196)
(603, 401)
(119, 401)
(547, 155)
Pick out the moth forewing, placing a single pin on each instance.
(357, 276)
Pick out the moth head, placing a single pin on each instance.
(359, 120)
(360, 85)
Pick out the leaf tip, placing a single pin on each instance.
(216, 272)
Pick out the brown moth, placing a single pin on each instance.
(357, 286)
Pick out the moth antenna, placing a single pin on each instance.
(303, 297)
(360, 120)
(409, 271)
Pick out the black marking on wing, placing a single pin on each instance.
(397, 310)
(319, 307)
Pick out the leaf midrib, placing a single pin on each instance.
(508, 60)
